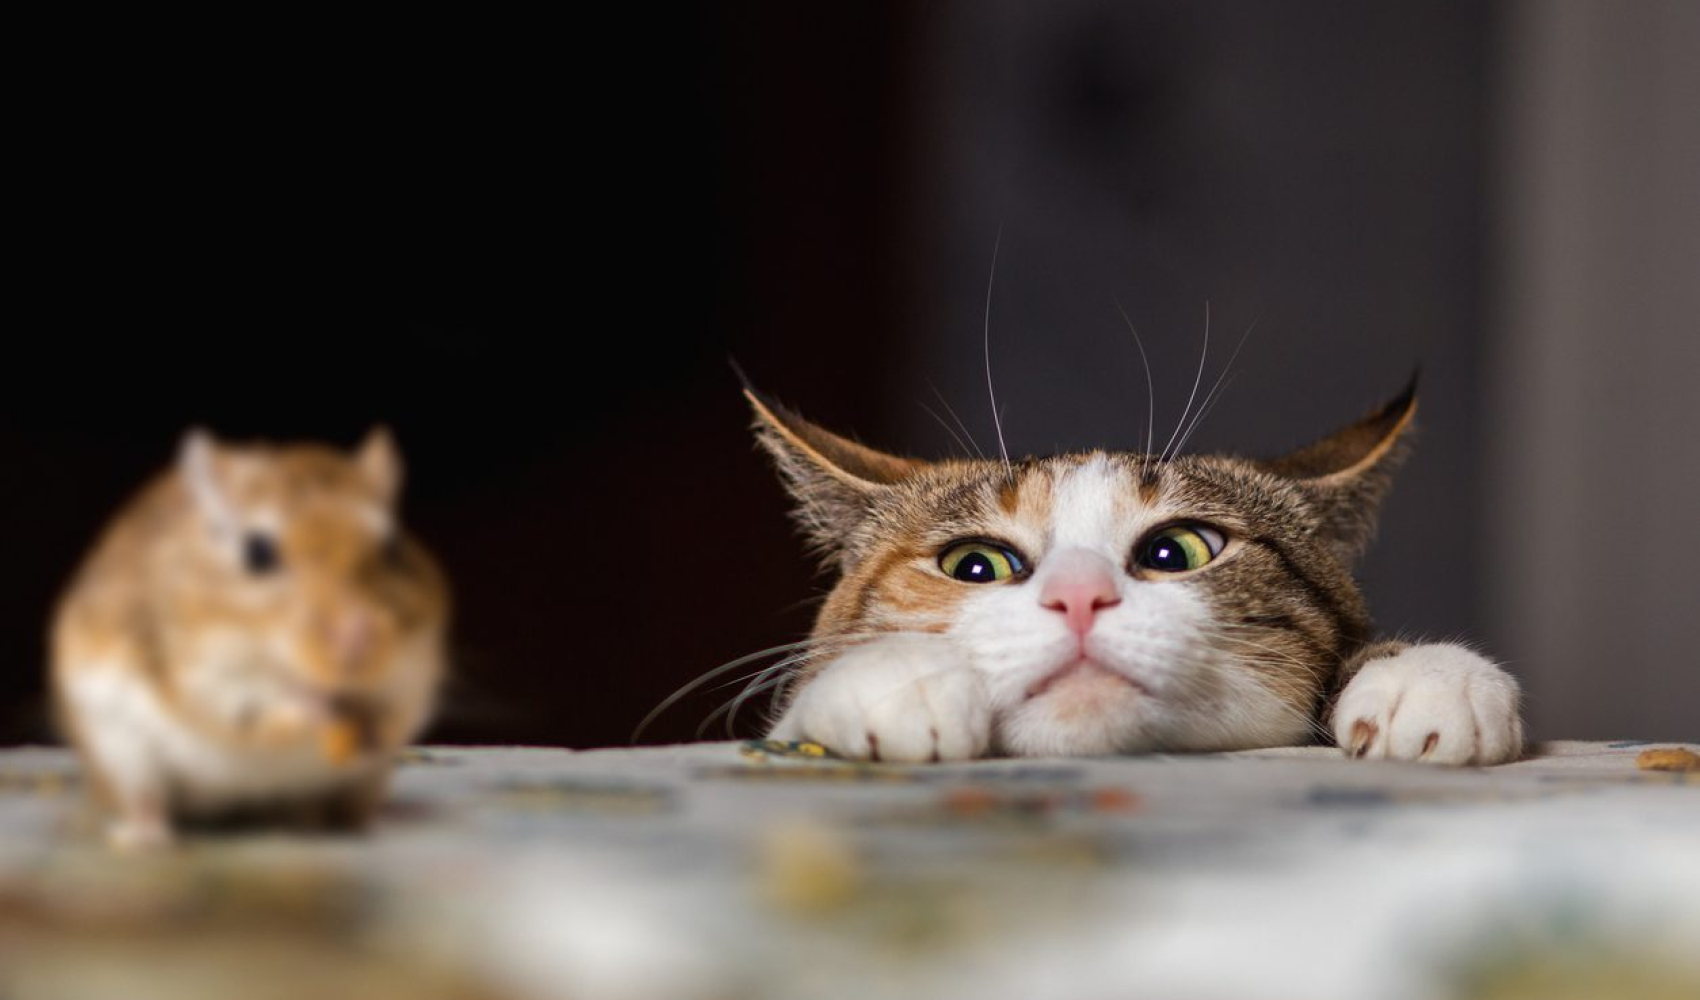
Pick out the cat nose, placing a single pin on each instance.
(1078, 584)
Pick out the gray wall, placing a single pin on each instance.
(1592, 401)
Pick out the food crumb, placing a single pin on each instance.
(1668, 759)
(1114, 800)
(969, 801)
(339, 742)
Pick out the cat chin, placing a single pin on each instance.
(1083, 713)
(1077, 684)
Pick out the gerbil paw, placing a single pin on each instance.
(278, 724)
(138, 834)
(1436, 703)
(902, 698)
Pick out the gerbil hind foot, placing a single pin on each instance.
(140, 831)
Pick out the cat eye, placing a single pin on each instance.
(1179, 548)
(259, 553)
(980, 562)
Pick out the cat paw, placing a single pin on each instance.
(1436, 703)
(903, 698)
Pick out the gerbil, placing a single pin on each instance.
(254, 634)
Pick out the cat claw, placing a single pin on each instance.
(1435, 703)
(1364, 733)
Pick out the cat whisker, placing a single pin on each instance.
(1271, 650)
(1209, 404)
(1150, 392)
(1197, 380)
(1211, 398)
(763, 679)
(1286, 692)
(746, 679)
(774, 676)
(709, 675)
(948, 429)
(997, 419)
(774, 683)
(1238, 630)
(1281, 662)
(793, 657)
(799, 605)
(958, 418)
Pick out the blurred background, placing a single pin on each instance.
(531, 253)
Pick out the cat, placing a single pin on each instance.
(1114, 602)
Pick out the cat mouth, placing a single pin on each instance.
(1081, 669)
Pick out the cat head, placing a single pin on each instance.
(1114, 601)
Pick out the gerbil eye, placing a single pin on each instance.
(1180, 548)
(259, 553)
(979, 562)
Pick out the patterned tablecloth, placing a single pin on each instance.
(722, 871)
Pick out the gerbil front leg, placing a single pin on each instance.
(136, 798)
(112, 719)
(143, 823)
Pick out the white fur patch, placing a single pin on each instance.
(119, 716)
(1439, 703)
(1083, 508)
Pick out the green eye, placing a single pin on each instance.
(979, 562)
(1180, 548)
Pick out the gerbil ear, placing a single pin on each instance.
(197, 464)
(380, 462)
(833, 480)
(1348, 473)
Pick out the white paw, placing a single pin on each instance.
(1437, 703)
(902, 698)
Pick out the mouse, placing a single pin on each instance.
(254, 635)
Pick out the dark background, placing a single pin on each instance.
(531, 253)
(531, 249)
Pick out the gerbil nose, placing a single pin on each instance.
(1078, 584)
(350, 633)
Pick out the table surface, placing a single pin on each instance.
(721, 870)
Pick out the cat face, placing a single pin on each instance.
(1113, 602)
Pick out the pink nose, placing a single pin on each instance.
(351, 634)
(1079, 583)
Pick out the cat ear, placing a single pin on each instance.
(833, 480)
(1348, 473)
